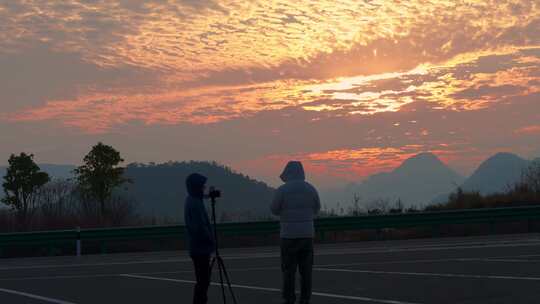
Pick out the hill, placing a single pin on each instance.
(496, 173)
(415, 182)
(159, 190)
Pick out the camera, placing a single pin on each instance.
(213, 193)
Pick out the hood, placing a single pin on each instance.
(194, 185)
(293, 171)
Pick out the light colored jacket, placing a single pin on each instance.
(296, 203)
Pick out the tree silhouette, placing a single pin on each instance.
(531, 176)
(100, 174)
(21, 183)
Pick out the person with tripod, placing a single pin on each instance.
(201, 240)
(296, 203)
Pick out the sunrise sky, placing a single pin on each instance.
(349, 87)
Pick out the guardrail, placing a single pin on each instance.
(77, 237)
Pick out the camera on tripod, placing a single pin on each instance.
(217, 261)
(214, 193)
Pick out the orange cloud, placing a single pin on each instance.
(456, 85)
(222, 60)
(342, 164)
(183, 37)
(534, 129)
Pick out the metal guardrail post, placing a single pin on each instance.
(491, 227)
(78, 242)
(379, 234)
(436, 230)
(321, 235)
(103, 247)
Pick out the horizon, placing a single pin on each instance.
(350, 88)
(342, 184)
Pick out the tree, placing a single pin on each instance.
(100, 174)
(22, 181)
(531, 176)
(398, 208)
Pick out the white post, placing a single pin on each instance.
(78, 241)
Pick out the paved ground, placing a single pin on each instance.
(499, 269)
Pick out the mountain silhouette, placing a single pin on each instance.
(496, 174)
(160, 190)
(415, 182)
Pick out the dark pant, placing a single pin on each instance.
(202, 274)
(296, 254)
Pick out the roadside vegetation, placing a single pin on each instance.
(525, 192)
(97, 196)
(35, 201)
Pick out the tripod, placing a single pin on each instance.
(217, 260)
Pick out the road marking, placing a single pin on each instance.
(428, 274)
(33, 296)
(95, 264)
(509, 260)
(104, 275)
(61, 277)
(512, 259)
(320, 294)
(276, 254)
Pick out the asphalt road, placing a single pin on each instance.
(497, 269)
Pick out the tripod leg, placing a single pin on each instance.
(221, 281)
(212, 266)
(228, 280)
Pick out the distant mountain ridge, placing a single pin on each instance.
(424, 179)
(160, 190)
(421, 179)
(496, 173)
(415, 182)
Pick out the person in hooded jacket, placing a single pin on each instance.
(199, 233)
(296, 202)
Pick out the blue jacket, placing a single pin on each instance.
(199, 230)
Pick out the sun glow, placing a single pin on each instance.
(223, 60)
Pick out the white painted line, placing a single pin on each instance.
(320, 266)
(316, 267)
(365, 299)
(61, 277)
(105, 275)
(276, 254)
(428, 274)
(33, 296)
(510, 260)
(426, 248)
(320, 294)
(420, 261)
(95, 264)
(398, 262)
